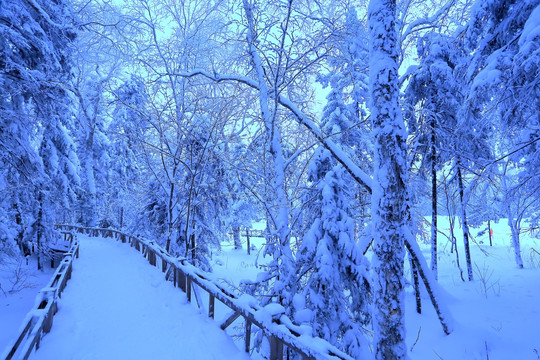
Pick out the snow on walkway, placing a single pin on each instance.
(116, 306)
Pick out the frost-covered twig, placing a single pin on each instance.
(417, 338)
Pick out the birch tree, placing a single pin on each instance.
(283, 256)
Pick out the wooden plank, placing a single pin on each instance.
(229, 320)
(26, 329)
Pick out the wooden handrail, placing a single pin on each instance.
(39, 320)
(279, 329)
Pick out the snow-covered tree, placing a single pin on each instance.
(282, 266)
(35, 72)
(503, 73)
(333, 267)
(89, 89)
(127, 128)
(432, 101)
(391, 208)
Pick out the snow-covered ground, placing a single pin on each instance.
(117, 306)
(21, 283)
(496, 317)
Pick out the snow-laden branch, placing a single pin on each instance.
(354, 170)
(414, 26)
(43, 13)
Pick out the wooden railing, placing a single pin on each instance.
(277, 327)
(39, 320)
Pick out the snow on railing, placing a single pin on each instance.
(39, 320)
(278, 328)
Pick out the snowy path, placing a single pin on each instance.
(116, 306)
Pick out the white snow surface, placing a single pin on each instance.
(136, 314)
(117, 306)
(14, 306)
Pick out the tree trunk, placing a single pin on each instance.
(431, 285)
(513, 221)
(39, 231)
(170, 218)
(390, 197)
(414, 275)
(433, 204)
(284, 253)
(464, 225)
(90, 214)
(236, 237)
(248, 242)
(192, 246)
(20, 229)
(515, 240)
(454, 246)
(121, 218)
(489, 232)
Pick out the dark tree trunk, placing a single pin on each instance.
(248, 242)
(431, 287)
(454, 246)
(414, 275)
(121, 218)
(39, 231)
(192, 247)
(236, 237)
(433, 203)
(170, 218)
(464, 225)
(489, 232)
(20, 233)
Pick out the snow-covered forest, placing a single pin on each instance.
(388, 150)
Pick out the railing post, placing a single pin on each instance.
(247, 337)
(276, 348)
(182, 280)
(211, 305)
(188, 288)
(47, 324)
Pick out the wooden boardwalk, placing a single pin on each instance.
(118, 307)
